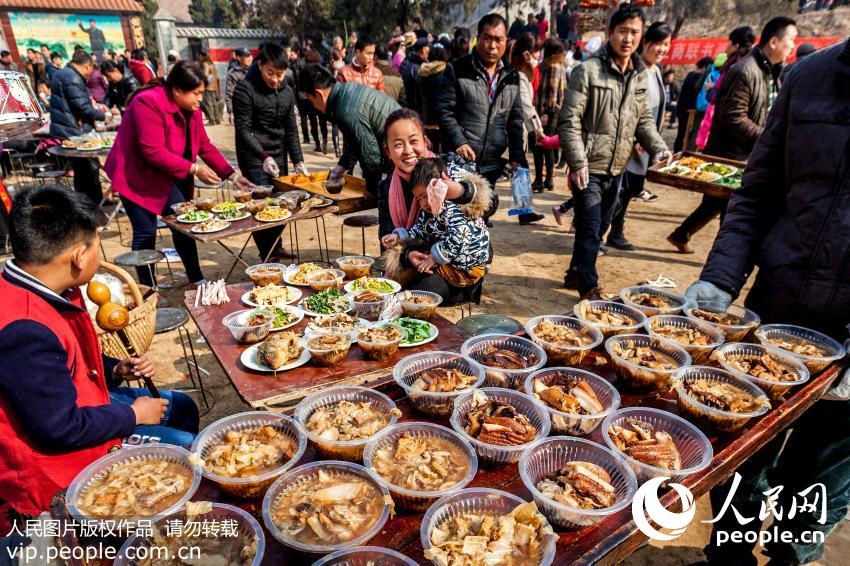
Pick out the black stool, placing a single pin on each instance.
(168, 319)
(489, 324)
(361, 221)
(144, 258)
(469, 295)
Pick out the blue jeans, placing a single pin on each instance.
(594, 207)
(179, 425)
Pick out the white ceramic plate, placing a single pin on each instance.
(182, 218)
(732, 167)
(294, 311)
(238, 206)
(288, 216)
(431, 337)
(198, 230)
(308, 312)
(349, 287)
(294, 295)
(292, 270)
(242, 216)
(249, 360)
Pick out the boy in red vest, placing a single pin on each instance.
(55, 411)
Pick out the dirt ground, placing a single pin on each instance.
(524, 281)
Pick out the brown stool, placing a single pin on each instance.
(361, 221)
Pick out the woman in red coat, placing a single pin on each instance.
(153, 162)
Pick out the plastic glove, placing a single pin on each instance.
(270, 167)
(705, 291)
(300, 168)
(665, 156)
(841, 387)
(337, 172)
(436, 192)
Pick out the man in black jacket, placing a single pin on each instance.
(688, 101)
(266, 127)
(409, 70)
(72, 114)
(120, 86)
(480, 107)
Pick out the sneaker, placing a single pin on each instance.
(559, 216)
(647, 196)
(525, 219)
(594, 294)
(620, 242)
(681, 248)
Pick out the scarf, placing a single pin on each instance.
(401, 217)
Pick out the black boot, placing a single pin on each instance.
(529, 218)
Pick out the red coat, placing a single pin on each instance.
(30, 477)
(142, 71)
(147, 157)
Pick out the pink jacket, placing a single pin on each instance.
(147, 157)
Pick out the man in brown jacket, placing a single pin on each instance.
(740, 111)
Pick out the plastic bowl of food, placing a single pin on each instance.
(521, 354)
(324, 279)
(290, 436)
(414, 372)
(369, 304)
(266, 273)
(177, 459)
(255, 206)
(734, 321)
(651, 301)
(419, 304)
(304, 483)
(548, 456)
(698, 338)
(379, 459)
(566, 340)
(380, 342)
(328, 348)
(243, 196)
(204, 203)
(183, 208)
(262, 191)
(742, 400)
(609, 317)
(814, 349)
(350, 450)
(737, 358)
(573, 423)
(494, 454)
(490, 502)
(366, 556)
(243, 332)
(664, 358)
(334, 186)
(248, 533)
(694, 449)
(355, 266)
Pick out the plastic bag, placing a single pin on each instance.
(521, 191)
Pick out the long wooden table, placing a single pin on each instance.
(264, 389)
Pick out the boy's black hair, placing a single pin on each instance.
(314, 77)
(775, 28)
(364, 41)
(626, 12)
(491, 21)
(46, 221)
(427, 169)
(273, 54)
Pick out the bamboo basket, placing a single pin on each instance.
(142, 324)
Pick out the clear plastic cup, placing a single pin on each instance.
(439, 404)
(328, 354)
(774, 389)
(308, 473)
(272, 273)
(480, 501)
(733, 332)
(609, 330)
(99, 468)
(379, 350)
(369, 310)
(355, 266)
(320, 279)
(492, 454)
(249, 487)
(416, 310)
(707, 418)
(564, 354)
(699, 352)
(547, 456)
(641, 377)
(243, 333)
(833, 349)
(694, 448)
(366, 556)
(501, 377)
(248, 528)
(676, 301)
(350, 450)
(570, 423)
(409, 499)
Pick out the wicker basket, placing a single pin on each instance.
(142, 324)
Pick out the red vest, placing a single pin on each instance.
(30, 477)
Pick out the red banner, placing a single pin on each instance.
(690, 50)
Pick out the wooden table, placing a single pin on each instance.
(250, 225)
(654, 175)
(265, 389)
(352, 198)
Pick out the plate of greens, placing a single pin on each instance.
(416, 332)
(331, 301)
(719, 168)
(376, 284)
(194, 217)
(234, 215)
